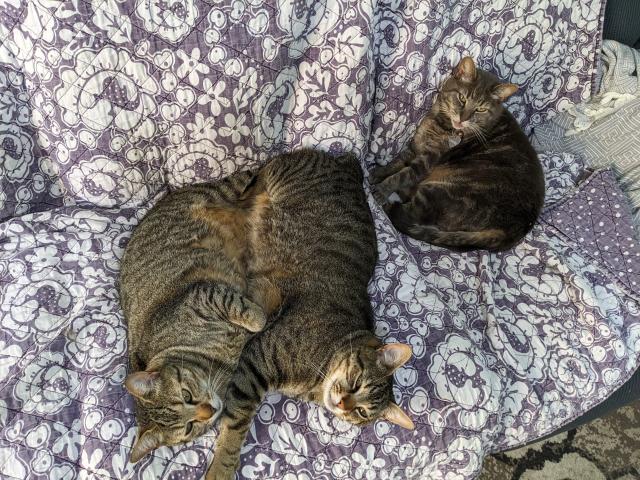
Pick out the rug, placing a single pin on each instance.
(607, 448)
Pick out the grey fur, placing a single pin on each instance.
(188, 311)
(470, 178)
(317, 244)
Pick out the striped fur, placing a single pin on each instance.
(316, 242)
(189, 309)
(470, 179)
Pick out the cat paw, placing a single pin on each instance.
(377, 175)
(256, 319)
(217, 471)
(380, 196)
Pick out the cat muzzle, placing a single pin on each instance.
(204, 412)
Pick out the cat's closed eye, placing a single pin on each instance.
(188, 428)
(481, 109)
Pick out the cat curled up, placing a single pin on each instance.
(470, 178)
(189, 308)
(314, 240)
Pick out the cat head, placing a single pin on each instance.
(470, 100)
(174, 404)
(358, 385)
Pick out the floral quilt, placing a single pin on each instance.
(106, 104)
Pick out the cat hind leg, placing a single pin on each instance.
(490, 239)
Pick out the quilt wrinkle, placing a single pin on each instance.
(107, 104)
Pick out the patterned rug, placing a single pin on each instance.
(605, 449)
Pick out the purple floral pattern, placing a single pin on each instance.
(104, 104)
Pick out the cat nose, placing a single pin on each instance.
(346, 403)
(204, 412)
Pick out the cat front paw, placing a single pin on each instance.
(380, 195)
(377, 175)
(219, 471)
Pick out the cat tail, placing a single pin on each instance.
(490, 239)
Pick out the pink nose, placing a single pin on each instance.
(346, 403)
(456, 124)
(204, 412)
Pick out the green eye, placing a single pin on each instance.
(361, 412)
(481, 109)
(186, 396)
(188, 428)
(462, 99)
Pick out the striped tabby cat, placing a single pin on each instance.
(315, 240)
(189, 308)
(470, 179)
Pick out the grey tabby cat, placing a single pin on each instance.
(470, 179)
(189, 308)
(315, 241)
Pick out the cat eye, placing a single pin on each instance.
(481, 109)
(188, 428)
(462, 99)
(186, 396)
(361, 412)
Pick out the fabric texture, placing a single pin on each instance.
(622, 22)
(606, 449)
(626, 394)
(106, 104)
(605, 130)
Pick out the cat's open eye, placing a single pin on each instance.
(186, 396)
(361, 412)
(461, 98)
(188, 428)
(481, 109)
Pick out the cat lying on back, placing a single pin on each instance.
(189, 308)
(470, 178)
(318, 246)
(208, 265)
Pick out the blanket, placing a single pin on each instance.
(105, 104)
(605, 130)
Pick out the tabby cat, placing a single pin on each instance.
(315, 240)
(470, 179)
(189, 308)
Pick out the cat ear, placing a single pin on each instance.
(141, 383)
(147, 441)
(503, 91)
(394, 355)
(465, 71)
(395, 414)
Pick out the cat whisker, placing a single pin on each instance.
(218, 377)
(209, 376)
(316, 368)
(479, 134)
(214, 383)
(223, 373)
